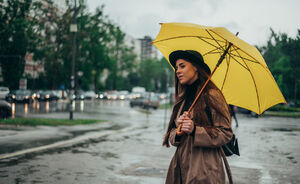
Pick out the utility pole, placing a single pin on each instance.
(166, 100)
(295, 90)
(73, 29)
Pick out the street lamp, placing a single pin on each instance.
(94, 76)
(73, 29)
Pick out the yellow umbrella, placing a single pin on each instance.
(243, 76)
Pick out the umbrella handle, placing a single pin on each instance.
(179, 132)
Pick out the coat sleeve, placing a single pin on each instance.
(174, 139)
(220, 133)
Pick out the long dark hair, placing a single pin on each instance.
(179, 97)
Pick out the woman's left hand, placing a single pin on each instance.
(187, 124)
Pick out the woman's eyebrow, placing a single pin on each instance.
(180, 64)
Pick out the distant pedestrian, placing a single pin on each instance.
(232, 114)
(198, 158)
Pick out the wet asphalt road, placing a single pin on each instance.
(269, 147)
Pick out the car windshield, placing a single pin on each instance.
(46, 92)
(22, 92)
(3, 89)
(153, 98)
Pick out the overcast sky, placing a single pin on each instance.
(251, 18)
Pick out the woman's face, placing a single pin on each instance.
(186, 72)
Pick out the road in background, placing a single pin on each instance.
(133, 153)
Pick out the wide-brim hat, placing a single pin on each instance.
(189, 55)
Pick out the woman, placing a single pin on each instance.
(198, 157)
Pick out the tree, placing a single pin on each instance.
(15, 33)
(154, 74)
(282, 56)
(123, 61)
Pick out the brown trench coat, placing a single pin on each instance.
(198, 159)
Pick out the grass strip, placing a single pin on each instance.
(164, 106)
(47, 122)
(282, 114)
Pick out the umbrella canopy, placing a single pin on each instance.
(243, 76)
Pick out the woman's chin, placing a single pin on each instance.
(182, 82)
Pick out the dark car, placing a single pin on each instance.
(23, 95)
(5, 109)
(11, 96)
(145, 102)
(48, 96)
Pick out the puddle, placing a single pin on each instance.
(146, 171)
(286, 129)
(109, 155)
(81, 132)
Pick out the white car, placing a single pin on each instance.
(90, 95)
(3, 92)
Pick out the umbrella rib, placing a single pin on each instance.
(216, 48)
(237, 47)
(226, 74)
(203, 37)
(239, 62)
(258, 101)
(181, 37)
(245, 58)
(215, 39)
(212, 53)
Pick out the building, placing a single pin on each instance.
(135, 43)
(148, 50)
(32, 68)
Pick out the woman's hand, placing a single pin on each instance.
(187, 123)
(180, 120)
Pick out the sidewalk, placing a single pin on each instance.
(19, 138)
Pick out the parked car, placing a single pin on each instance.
(48, 96)
(3, 92)
(112, 96)
(90, 95)
(145, 102)
(23, 95)
(101, 95)
(123, 95)
(11, 96)
(5, 109)
(61, 94)
(79, 95)
(36, 94)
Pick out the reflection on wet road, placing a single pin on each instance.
(133, 153)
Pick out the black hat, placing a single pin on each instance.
(189, 55)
